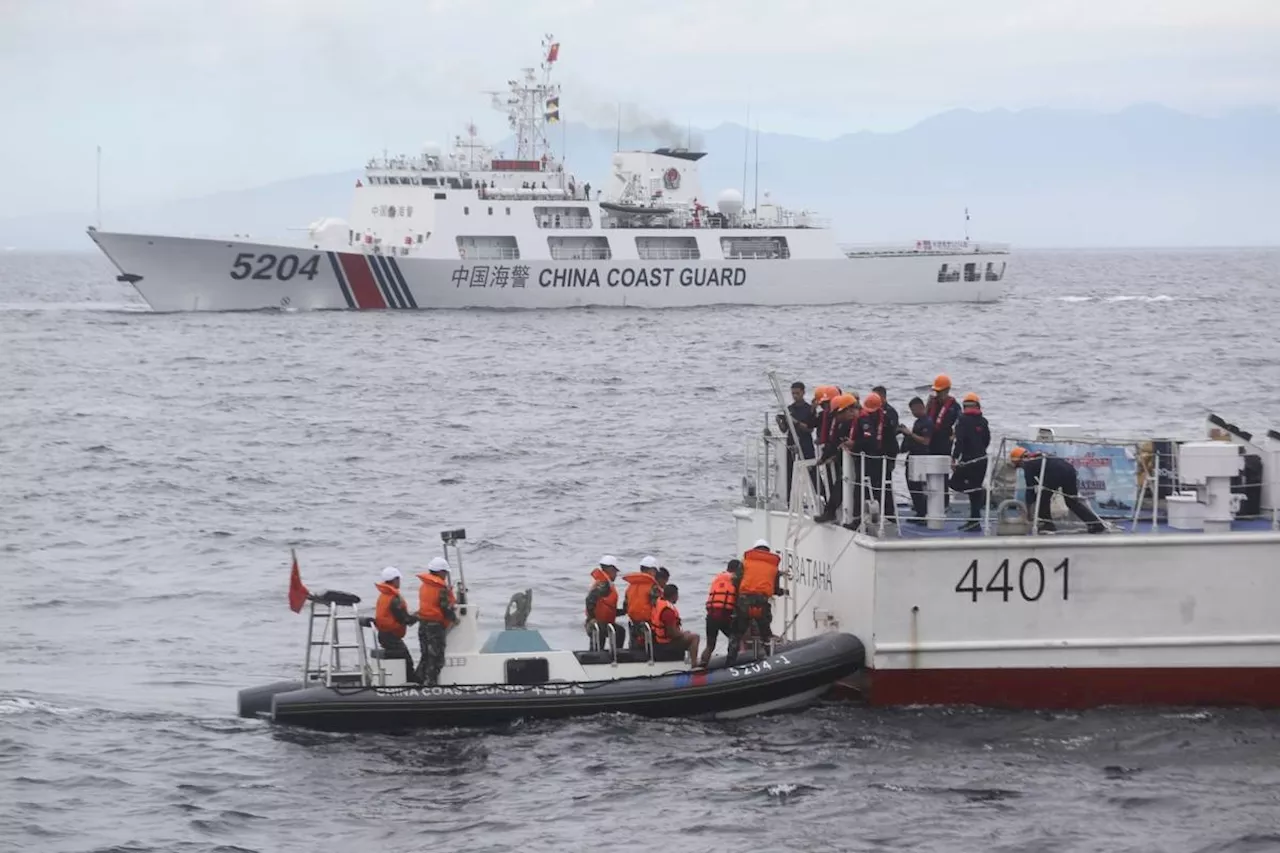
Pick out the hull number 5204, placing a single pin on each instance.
(267, 266)
(1032, 578)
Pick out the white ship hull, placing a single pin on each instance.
(195, 274)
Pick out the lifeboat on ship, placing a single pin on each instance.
(348, 685)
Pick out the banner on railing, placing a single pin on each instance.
(1108, 474)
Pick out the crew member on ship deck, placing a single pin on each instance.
(969, 459)
(602, 605)
(802, 414)
(391, 618)
(845, 412)
(754, 606)
(916, 441)
(875, 441)
(1059, 476)
(436, 615)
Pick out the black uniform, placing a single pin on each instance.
(942, 414)
(831, 453)
(922, 427)
(806, 421)
(1059, 476)
(876, 435)
(973, 437)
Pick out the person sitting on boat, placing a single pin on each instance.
(669, 636)
(637, 602)
(391, 619)
(845, 410)
(437, 613)
(875, 440)
(1059, 476)
(660, 578)
(721, 600)
(602, 605)
(969, 459)
(760, 582)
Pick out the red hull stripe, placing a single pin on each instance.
(385, 285)
(363, 287)
(342, 279)
(1256, 687)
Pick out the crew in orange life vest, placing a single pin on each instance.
(637, 602)
(943, 411)
(436, 614)
(602, 605)
(721, 600)
(846, 409)
(669, 636)
(875, 440)
(760, 582)
(660, 578)
(391, 618)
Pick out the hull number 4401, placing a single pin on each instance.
(267, 266)
(1030, 579)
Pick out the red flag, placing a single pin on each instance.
(297, 592)
(554, 52)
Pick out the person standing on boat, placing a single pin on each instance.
(943, 411)
(1059, 476)
(436, 615)
(754, 606)
(668, 632)
(721, 601)
(825, 420)
(802, 414)
(391, 619)
(916, 440)
(969, 458)
(638, 602)
(602, 605)
(875, 440)
(844, 408)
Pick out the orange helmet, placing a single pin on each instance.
(972, 398)
(824, 392)
(873, 402)
(942, 382)
(1016, 455)
(843, 401)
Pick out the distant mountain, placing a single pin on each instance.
(1145, 176)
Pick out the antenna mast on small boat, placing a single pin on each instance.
(98, 188)
(756, 201)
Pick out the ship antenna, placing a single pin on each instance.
(756, 201)
(98, 185)
(966, 224)
(746, 150)
(617, 146)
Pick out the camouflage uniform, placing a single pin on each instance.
(431, 641)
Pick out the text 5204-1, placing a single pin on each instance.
(268, 266)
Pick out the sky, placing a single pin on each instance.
(188, 97)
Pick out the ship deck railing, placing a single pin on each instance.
(924, 247)
(765, 487)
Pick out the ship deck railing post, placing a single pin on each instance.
(1035, 516)
(1155, 494)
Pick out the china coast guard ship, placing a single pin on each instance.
(472, 228)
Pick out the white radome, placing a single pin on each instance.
(729, 202)
(329, 231)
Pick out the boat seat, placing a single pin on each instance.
(339, 598)
(366, 621)
(593, 657)
(597, 658)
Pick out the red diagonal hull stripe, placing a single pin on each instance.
(363, 287)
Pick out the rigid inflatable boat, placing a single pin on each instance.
(348, 685)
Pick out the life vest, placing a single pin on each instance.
(824, 426)
(723, 595)
(660, 632)
(383, 620)
(939, 409)
(639, 606)
(759, 572)
(429, 599)
(606, 608)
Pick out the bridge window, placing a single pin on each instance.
(667, 248)
(755, 248)
(580, 248)
(488, 248)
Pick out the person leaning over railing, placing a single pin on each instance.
(969, 458)
(1059, 476)
(845, 410)
(875, 442)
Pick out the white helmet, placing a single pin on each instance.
(390, 573)
(649, 562)
(609, 560)
(438, 564)
(761, 543)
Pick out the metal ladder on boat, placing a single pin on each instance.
(335, 609)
